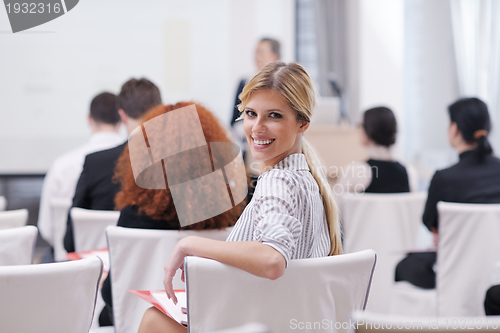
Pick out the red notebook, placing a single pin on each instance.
(159, 299)
(101, 253)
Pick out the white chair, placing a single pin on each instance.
(3, 203)
(17, 245)
(89, 227)
(89, 233)
(137, 258)
(468, 249)
(60, 208)
(13, 218)
(318, 291)
(387, 223)
(409, 300)
(56, 298)
(366, 322)
(247, 328)
(105, 329)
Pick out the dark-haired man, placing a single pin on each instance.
(95, 188)
(60, 181)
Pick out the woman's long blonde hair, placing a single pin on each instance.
(293, 83)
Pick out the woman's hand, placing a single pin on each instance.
(254, 257)
(175, 262)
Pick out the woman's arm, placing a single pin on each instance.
(254, 257)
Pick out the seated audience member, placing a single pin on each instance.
(61, 179)
(154, 209)
(381, 173)
(474, 179)
(95, 188)
(492, 301)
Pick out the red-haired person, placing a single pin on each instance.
(154, 209)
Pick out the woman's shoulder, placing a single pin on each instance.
(279, 177)
(287, 184)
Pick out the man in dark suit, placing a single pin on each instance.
(95, 188)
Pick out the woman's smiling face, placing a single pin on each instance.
(271, 127)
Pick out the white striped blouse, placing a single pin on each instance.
(286, 212)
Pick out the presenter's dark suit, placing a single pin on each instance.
(468, 181)
(95, 188)
(236, 112)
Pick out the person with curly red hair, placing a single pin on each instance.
(154, 209)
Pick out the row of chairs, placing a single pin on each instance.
(400, 215)
(468, 252)
(89, 225)
(61, 297)
(44, 298)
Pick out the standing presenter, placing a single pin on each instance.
(292, 214)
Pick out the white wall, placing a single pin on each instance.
(376, 56)
(401, 55)
(193, 50)
(381, 54)
(430, 84)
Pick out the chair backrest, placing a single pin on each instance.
(468, 248)
(57, 297)
(366, 322)
(89, 227)
(13, 218)
(60, 208)
(247, 328)
(318, 290)
(17, 245)
(137, 258)
(388, 224)
(3, 203)
(393, 218)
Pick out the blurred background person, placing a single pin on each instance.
(474, 179)
(61, 178)
(381, 173)
(154, 209)
(492, 301)
(95, 188)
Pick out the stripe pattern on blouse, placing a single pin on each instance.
(286, 212)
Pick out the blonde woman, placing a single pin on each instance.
(292, 214)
